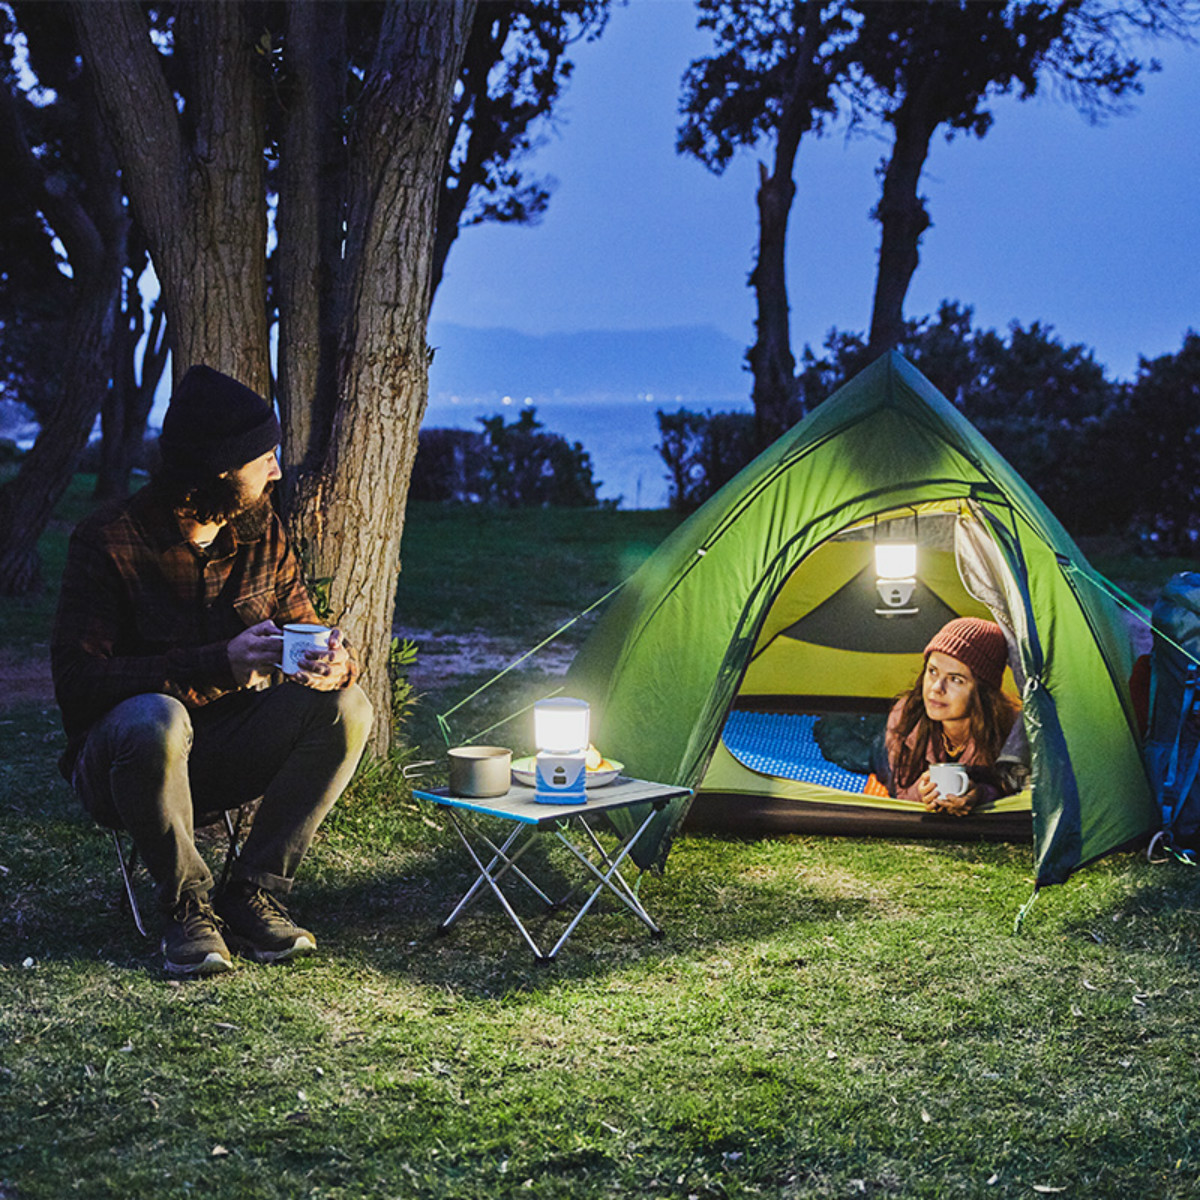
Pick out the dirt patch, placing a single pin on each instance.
(443, 655)
(27, 681)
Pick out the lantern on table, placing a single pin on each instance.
(560, 729)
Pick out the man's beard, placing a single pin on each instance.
(253, 515)
(225, 501)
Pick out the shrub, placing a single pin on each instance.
(514, 465)
(702, 452)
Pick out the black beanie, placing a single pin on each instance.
(215, 424)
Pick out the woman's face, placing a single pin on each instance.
(947, 688)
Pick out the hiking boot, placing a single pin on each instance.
(192, 944)
(258, 926)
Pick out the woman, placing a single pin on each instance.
(955, 712)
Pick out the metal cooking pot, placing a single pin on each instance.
(480, 771)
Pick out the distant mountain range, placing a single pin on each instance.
(690, 365)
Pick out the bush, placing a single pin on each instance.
(516, 466)
(702, 452)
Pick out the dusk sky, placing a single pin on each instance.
(1091, 229)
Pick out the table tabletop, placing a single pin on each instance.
(518, 803)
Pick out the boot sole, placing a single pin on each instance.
(300, 947)
(213, 964)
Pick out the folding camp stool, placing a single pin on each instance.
(600, 868)
(128, 861)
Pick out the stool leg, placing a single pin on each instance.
(234, 832)
(126, 868)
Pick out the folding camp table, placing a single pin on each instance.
(571, 825)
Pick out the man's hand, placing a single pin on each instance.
(324, 670)
(254, 654)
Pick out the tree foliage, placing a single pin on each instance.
(1151, 449)
(514, 70)
(920, 67)
(771, 78)
(702, 452)
(780, 71)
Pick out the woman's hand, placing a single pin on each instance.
(934, 801)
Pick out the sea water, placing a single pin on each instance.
(620, 436)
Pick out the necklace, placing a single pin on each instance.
(951, 749)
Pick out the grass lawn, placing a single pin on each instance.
(824, 1017)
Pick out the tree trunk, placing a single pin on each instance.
(27, 502)
(127, 405)
(197, 186)
(92, 224)
(903, 218)
(770, 358)
(350, 511)
(312, 183)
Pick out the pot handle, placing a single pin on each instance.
(413, 770)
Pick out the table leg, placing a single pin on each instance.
(486, 876)
(623, 892)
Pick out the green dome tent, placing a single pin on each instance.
(763, 605)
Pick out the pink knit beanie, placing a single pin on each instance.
(979, 644)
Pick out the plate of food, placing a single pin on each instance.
(600, 770)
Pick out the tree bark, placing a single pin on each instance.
(93, 227)
(127, 405)
(350, 508)
(902, 216)
(770, 358)
(196, 185)
(312, 183)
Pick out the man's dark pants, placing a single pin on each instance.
(151, 766)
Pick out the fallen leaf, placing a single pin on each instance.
(1076, 1011)
(993, 1180)
(1045, 1188)
(1139, 1000)
(1091, 987)
(925, 1116)
(220, 1152)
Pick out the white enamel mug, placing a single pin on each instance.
(949, 778)
(299, 638)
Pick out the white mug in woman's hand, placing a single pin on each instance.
(950, 779)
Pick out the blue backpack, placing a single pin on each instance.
(1173, 735)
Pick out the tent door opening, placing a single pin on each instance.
(804, 730)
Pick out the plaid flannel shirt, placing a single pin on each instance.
(142, 609)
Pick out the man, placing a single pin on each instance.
(164, 653)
